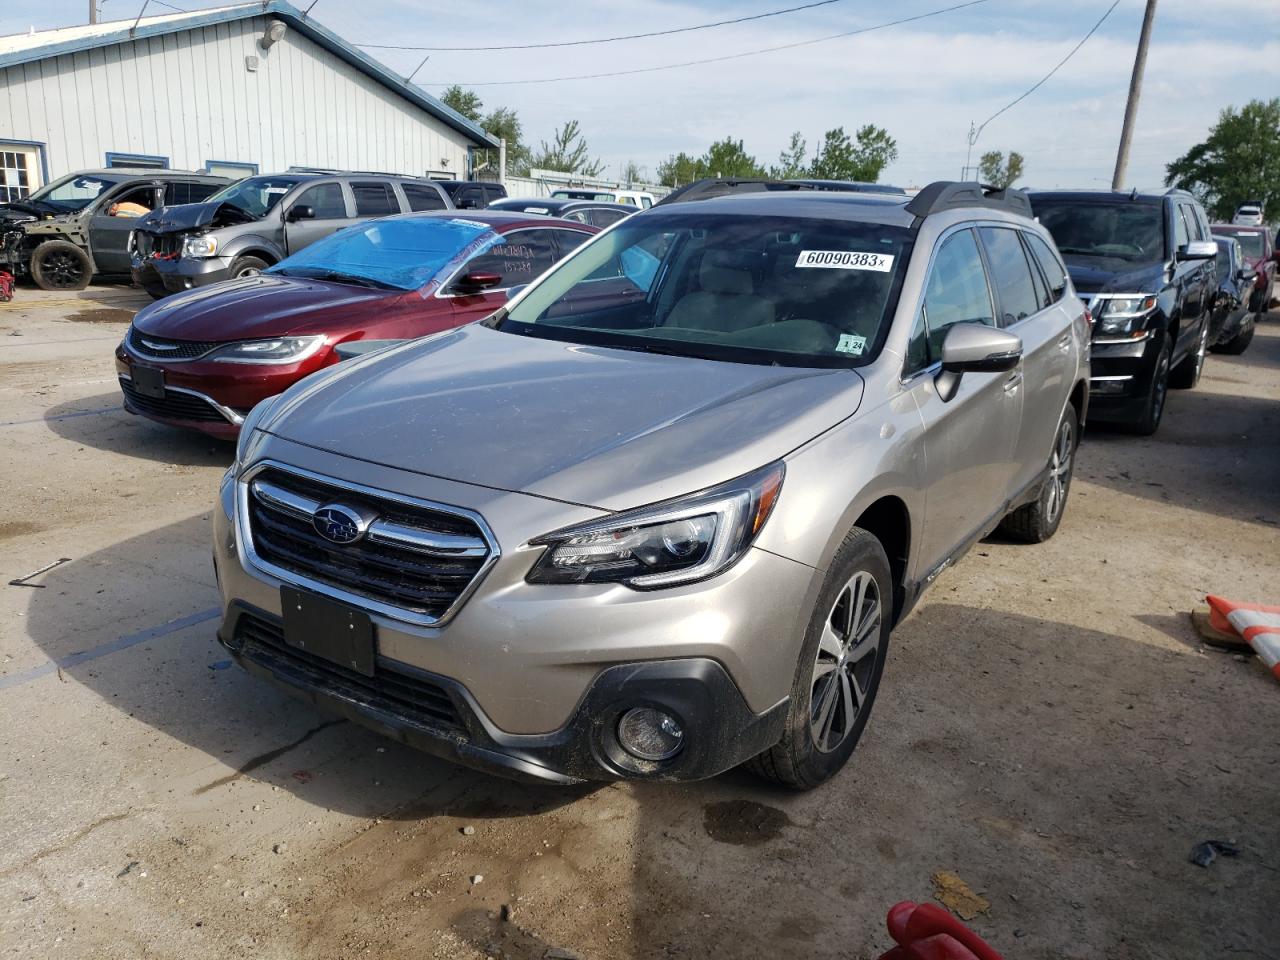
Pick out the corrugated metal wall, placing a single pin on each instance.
(189, 97)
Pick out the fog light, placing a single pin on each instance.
(650, 734)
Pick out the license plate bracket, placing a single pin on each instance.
(327, 629)
(148, 381)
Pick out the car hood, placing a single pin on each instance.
(595, 426)
(192, 216)
(268, 305)
(1099, 274)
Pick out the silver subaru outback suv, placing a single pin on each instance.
(658, 515)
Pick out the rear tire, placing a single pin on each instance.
(1240, 342)
(60, 265)
(838, 674)
(247, 266)
(1039, 520)
(1187, 374)
(1157, 393)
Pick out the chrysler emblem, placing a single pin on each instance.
(339, 524)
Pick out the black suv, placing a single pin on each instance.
(1144, 264)
(79, 225)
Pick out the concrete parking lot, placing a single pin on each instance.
(1050, 730)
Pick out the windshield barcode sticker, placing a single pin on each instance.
(845, 260)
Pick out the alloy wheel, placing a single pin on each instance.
(63, 270)
(845, 665)
(1059, 471)
(1161, 388)
(248, 272)
(1203, 350)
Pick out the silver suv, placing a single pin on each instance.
(657, 516)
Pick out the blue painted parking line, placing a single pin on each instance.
(111, 646)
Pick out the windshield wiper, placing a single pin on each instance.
(337, 276)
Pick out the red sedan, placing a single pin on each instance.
(1259, 254)
(203, 358)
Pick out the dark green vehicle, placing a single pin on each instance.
(79, 225)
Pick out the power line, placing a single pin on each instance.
(1013, 103)
(632, 36)
(732, 56)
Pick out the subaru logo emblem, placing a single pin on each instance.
(339, 524)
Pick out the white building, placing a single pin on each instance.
(255, 87)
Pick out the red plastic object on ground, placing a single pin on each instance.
(925, 932)
(6, 286)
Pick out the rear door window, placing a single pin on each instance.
(374, 199)
(1054, 272)
(1010, 274)
(325, 199)
(423, 197)
(185, 191)
(569, 240)
(957, 292)
(602, 217)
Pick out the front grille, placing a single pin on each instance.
(174, 406)
(410, 697)
(166, 348)
(166, 245)
(424, 583)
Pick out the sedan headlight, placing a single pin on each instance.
(677, 541)
(277, 350)
(1122, 316)
(199, 246)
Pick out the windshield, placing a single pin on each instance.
(1119, 230)
(255, 195)
(1253, 242)
(751, 289)
(72, 193)
(401, 253)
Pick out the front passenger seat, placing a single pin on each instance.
(727, 300)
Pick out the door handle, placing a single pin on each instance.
(1011, 385)
(1064, 342)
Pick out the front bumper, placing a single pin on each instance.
(439, 716)
(1120, 378)
(538, 675)
(179, 273)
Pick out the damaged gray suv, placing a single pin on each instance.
(658, 515)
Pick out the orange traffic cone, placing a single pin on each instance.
(1257, 623)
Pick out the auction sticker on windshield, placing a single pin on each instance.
(845, 260)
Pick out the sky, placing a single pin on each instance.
(925, 82)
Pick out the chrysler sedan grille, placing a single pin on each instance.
(406, 557)
(174, 405)
(165, 348)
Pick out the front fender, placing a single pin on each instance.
(253, 243)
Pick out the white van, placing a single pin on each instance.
(634, 198)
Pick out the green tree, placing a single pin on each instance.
(791, 160)
(632, 173)
(466, 102)
(729, 158)
(993, 169)
(679, 169)
(1239, 161)
(862, 158)
(567, 152)
(504, 124)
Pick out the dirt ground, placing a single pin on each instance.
(1050, 730)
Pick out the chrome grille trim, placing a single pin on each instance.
(439, 545)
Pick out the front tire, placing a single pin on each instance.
(1039, 520)
(247, 266)
(1157, 393)
(1187, 374)
(1240, 342)
(841, 662)
(60, 265)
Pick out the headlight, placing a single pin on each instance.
(278, 350)
(199, 246)
(1122, 316)
(677, 541)
(251, 421)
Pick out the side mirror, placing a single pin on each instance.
(301, 211)
(1198, 250)
(1247, 274)
(476, 281)
(513, 292)
(975, 348)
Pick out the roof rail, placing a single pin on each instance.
(709, 187)
(327, 171)
(956, 195)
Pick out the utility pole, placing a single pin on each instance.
(1135, 92)
(93, 11)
